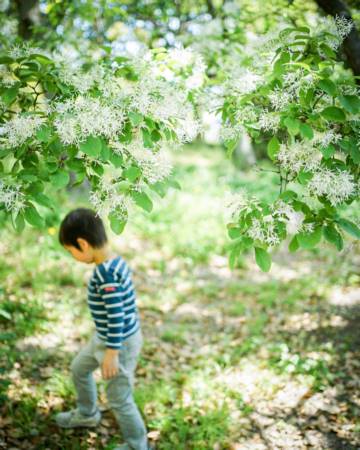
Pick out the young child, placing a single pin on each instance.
(117, 340)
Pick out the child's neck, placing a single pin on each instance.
(101, 255)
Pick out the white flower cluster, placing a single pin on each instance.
(8, 28)
(155, 164)
(265, 228)
(83, 116)
(80, 80)
(25, 49)
(243, 81)
(7, 78)
(335, 30)
(336, 186)
(269, 121)
(20, 128)
(296, 80)
(293, 219)
(12, 197)
(107, 198)
(4, 5)
(326, 138)
(300, 155)
(280, 98)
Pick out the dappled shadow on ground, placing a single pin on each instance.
(263, 364)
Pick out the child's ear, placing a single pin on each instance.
(84, 245)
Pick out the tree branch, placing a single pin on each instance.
(352, 42)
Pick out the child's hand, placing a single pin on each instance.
(110, 364)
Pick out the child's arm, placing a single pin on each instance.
(113, 293)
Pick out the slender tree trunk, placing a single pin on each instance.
(28, 12)
(352, 42)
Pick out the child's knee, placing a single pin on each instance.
(76, 366)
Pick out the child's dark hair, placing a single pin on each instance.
(84, 223)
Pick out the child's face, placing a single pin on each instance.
(85, 254)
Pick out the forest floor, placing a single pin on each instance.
(231, 360)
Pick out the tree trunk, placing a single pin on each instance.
(352, 42)
(28, 13)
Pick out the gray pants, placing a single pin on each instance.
(118, 389)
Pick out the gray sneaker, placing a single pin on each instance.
(127, 447)
(73, 419)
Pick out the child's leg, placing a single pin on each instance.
(120, 395)
(82, 367)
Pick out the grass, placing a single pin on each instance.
(218, 344)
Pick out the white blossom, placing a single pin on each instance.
(286, 213)
(300, 155)
(264, 231)
(243, 81)
(9, 28)
(269, 121)
(82, 81)
(6, 76)
(325, 138)
(280, 99)
(337, 185)
(12, 197)
(20, 128)
(84, 116)
(4, 5)
(107, 198)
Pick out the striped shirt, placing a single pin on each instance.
(111, 299)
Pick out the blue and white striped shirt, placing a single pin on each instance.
(111, 299)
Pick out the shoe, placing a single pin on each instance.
(73, 419)
(126, 447)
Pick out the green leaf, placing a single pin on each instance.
(174, 184)
(135, 118)
(328, 86)
(142, 200)
(42, 199)
(273, 147)
(160, 188)
(328, 151)
(230, 147)
(5, 314)
(349, 227)
(333, 236)
(92, 146)
(116, 224)
(304, 177)
(155, 136)
(132, 173)
(328, 51)
(44, 133)
(351, 103)
(116, 159)
(233, 257)
(105, 152)
(293, 245)
(306, 131)
(10, 95)
(19, 222)
(309, 240)
(33, 217)
(333, 113)
(148, 143)
(263, 259)
(234, 232)
(292, 125)
(60, 179)
(288, 195)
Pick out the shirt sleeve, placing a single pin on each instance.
(113, 293)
